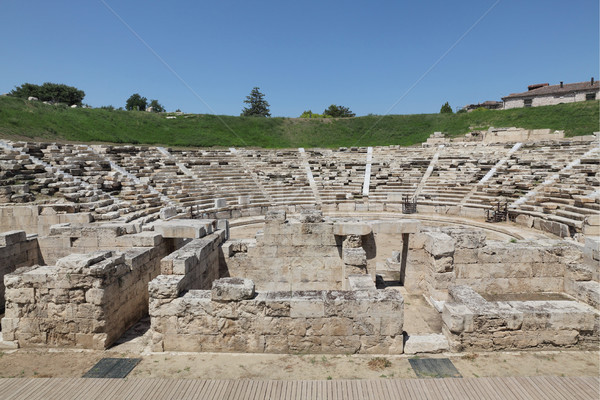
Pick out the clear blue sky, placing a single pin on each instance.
(302, 54)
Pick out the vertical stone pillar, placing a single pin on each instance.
(439, 248)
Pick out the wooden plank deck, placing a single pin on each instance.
(538, 387)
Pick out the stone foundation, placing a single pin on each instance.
(86, 300)
(16, 250)
(472, 323)
(340, 322)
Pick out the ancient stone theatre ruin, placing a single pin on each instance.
(453, 246)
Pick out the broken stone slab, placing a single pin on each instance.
(434, 343)
(232, 289)
(351, 228)
(354, 256)
(185, 228)
(360, 282)
(439, 244)
(277, 216)
(77, 262)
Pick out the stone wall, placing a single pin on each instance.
(519, 267)
(472, 323)
(39, 218)
(309, 253)
(85, 300)
(16, 250)
(289, 255)
(460, 256)
(232, 318)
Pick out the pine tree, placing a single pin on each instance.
(258, 106)
(446, 109)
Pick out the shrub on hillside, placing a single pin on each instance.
(51, 92)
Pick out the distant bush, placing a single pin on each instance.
(310, 114)
(51, 92)
(446, 109)
(338, 112)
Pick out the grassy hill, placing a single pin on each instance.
(34, 120)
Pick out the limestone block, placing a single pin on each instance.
(167, 213)
(361, 282)
(524, 220)
(184, 228)
(232, 289)
(12, 237)
(466, 238)
(275, 216)
(591, 230)
(311, 216)
(396, 227)
(77, 262)
(166, 286)
(351, 228)
(354, 256)
(307, 304)
(142, 239)
(220, 203)
(434, 343)
(439, 244)
(593, 220)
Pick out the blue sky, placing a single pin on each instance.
(302, 55)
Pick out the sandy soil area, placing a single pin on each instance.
(73, 363)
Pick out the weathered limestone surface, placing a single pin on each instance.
(16, 250)
(185, 228)
(470, 322)
(85, 300)
(280, 322)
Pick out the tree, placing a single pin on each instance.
(136, 102)
(258, 106)
(156, 106)
(338, 112)
(51, 92)
(446, 109)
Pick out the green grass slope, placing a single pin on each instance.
(37, 121)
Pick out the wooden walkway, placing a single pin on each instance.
(543, 388)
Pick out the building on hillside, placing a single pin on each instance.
(490, 105)
(543, 94)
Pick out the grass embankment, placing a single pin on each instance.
(37, 121)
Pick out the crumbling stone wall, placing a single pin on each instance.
(85, 300)
(16, 250)
(233, 318)
(472, 323)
